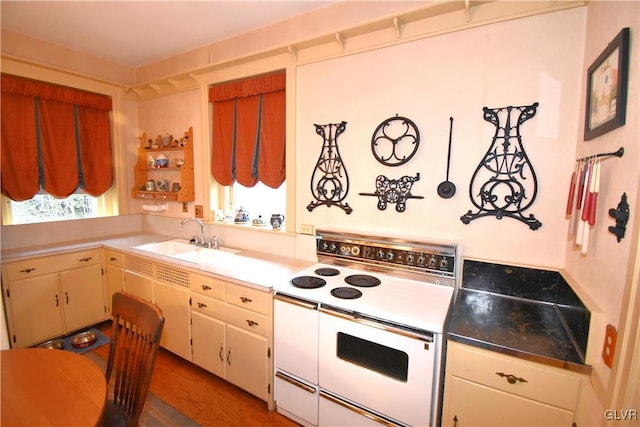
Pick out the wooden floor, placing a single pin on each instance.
(202, 396)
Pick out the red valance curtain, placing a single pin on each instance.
(53, 138)
(249, 134)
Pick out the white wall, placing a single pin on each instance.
(536, 59)
(603, 271)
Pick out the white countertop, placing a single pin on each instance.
(253, 268)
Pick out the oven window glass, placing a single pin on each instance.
(385, 360)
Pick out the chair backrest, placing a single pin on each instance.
(135, 341)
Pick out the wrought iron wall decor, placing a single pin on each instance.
(621, 215)
(504, 184)
(395, 141)
(395, 191)
(330, 181)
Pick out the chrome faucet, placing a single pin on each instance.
(200, 242)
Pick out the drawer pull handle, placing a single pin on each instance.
(511, 379)
(112, 259)
(57, 301)
(202, 305)
(245, 299)
(251, 322)
(66, 297)
(229, 356)
(220, 354)
(85, 259)
(27, 270)
(206, 287)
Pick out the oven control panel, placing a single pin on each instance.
(392, 254)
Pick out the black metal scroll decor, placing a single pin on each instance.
(394, 191)
(621, 215)
(504, 184)
(395, 141)
(329, 181)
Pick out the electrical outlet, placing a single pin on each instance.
(185, 207)
(306, 229)
(199, 212)
(609, 347)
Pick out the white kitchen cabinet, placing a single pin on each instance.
(114, 272)
(171, 294)
(168, 287)
(232, 334)
(46, 297)
(485, 388)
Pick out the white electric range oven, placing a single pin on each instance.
(359, 336)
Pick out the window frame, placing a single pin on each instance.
(218, 197)
(115, 200)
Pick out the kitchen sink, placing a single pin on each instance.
(183, 250)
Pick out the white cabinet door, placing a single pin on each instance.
(247, 361)
(36, 310)
(139, 285)
(208, 343)
(174, 303)
(82, 297)
(474, 405)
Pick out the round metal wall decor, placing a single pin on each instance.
(395, 141)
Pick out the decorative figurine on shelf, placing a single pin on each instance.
(242, 216)
(276, 221)
(504, 184)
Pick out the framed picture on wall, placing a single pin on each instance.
(607, 88)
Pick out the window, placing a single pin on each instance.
(260, 201)
(56, 152)
(43, 208)
(248, 128)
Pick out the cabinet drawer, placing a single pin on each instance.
(208, 286)
(546, 384)
(208, 306)
(247, 320)
(51, 264)
(114, 258)
(251, 299)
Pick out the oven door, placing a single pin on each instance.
(296, 358)
(385, 368)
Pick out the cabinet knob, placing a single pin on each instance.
(245, 299)
(206, 287)
(511, 379)
(201, 305)
(112, 259)
(251, 322)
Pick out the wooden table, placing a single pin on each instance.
(42, 387)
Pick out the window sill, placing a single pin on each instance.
(249, 226)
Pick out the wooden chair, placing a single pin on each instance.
(135, 341)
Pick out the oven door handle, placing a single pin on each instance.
(355, 317)
(296, 301)
(378, 419)
(294, 382)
